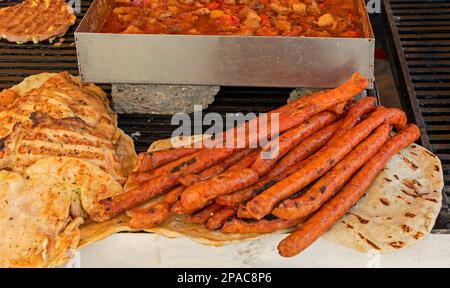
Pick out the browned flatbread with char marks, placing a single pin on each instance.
(36, 20)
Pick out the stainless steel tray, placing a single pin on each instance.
(219, 60)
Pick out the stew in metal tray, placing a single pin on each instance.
(314, 18)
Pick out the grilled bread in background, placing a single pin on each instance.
(52, 115)
(36, 20)
(42, 209)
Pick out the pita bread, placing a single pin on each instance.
(49, 106)
(48, 242)
(417, 191)
(36, 228)
(399, 208)
(89, 183)
(53, 195)
(58, 97)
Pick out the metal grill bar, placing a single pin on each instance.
(419, 40)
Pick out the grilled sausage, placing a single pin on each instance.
(218, 219)
(305, 148)
(198, 195)
(237, 198)
(204, 214)
(325, 187)
(257, 227)
(291, 115)
(336, 208)
(150, 160)
(298, 111)
(263, 204)
(161, 184)
(281, 145)
(149, 217)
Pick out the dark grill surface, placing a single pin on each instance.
(419, 39)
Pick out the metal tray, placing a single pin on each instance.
(220, 60)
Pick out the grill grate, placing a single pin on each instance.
(419, 42)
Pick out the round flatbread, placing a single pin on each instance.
(399, 208)
(36, 20)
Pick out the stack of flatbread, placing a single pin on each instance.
(60, 152)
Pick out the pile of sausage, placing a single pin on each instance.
(330, 149)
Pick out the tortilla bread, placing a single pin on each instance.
(399, 208)
(412, 163)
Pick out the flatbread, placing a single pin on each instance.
(42, 209)
(36, 20)
(36, 228)
(62, 100)
(53, 196)
(89, 183)
(399, 208)
(94, 231)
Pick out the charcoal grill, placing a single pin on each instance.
(419, 51)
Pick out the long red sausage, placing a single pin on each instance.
(307, 147)
(150, 160)
(281, 145)
(257, 227)
(336, 208)
(155, 187)
(220, 217)
(263, 204)
(300, 110)
(326, 186)
(198, 195)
